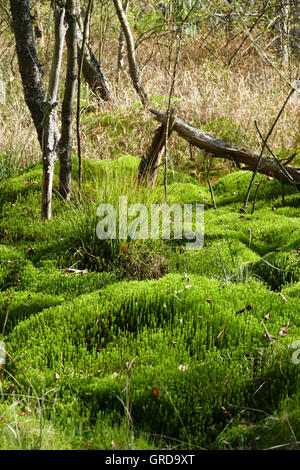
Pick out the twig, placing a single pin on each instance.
(170, 97)
(169, 111)
(282, 167)
(255, 195)
(212, 194)
(5, 321)
(252, 27)
(179, 417)
(264, 146)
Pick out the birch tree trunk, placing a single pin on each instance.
(50, 136)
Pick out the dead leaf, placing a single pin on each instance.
(30, 251)
(225, 411)
(285, 327)
(155, 391)
(76, 271)
(282, 296)
(11, 388)
(268, 336)
(183, 367)
(25, 410)
(241, 311)
(282, 333)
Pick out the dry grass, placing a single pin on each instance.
(206, 90)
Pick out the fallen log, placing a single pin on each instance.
(220, 149)
(150, 164)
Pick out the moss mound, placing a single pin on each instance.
(187, 353)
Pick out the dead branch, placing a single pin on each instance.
(220, 149)
(150, 164)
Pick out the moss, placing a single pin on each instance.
(178, 330)
(233, 188)
(199, 343)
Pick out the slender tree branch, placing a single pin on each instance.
(84, 38)
(131, 53)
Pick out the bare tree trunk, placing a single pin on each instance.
(283, 11)
(131, 53)
(29, 66)
(219, 148)
(65, 143)
(121, 50)
(50, 137)
(93, 75)
(91, 68)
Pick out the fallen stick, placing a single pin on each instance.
(149, 166)
(220, 149)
